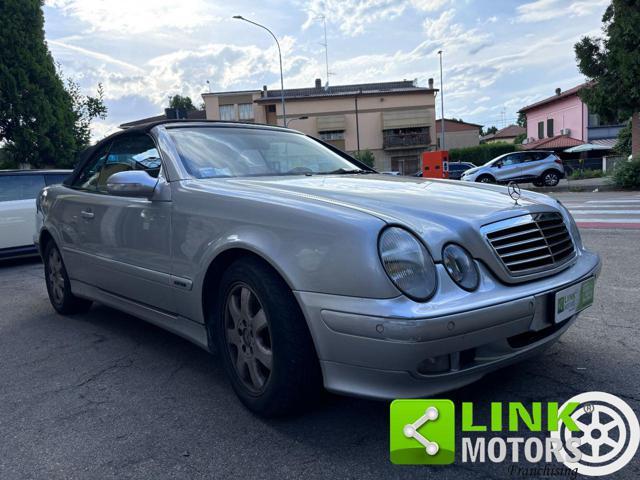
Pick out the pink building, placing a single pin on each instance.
(563, 120)
(563, 114)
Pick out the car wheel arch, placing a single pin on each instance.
(44, 239)
(486, 175)
(216, 269)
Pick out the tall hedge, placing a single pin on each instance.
(482, 153)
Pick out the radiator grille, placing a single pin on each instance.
(532, 243)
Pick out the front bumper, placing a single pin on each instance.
(387, 348)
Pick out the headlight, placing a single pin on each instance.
(408, 263)
(460, 266)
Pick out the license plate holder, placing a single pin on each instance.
(573, 299)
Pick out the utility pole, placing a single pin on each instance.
(441, 105)
(358, 123)
(326, 47)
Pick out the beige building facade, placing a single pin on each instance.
(393, 120)
(458, 134)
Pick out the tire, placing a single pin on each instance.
(550, 178)
(485, 179)
(58, 285)
(262, 336)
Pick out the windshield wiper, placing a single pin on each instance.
(344, 171)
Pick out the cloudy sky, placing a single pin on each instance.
(499, 55)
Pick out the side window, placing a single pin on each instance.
(88, 177)
(20, 187)
(130, 152)
(509, 160)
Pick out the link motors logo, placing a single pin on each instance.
(593, 434)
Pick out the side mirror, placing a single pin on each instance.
(499, 164)
(134, 183)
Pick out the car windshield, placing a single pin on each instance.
(212, 152)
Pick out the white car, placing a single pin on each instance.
(18, 192)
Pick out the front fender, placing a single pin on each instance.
(315, 247)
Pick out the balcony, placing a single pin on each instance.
(392, 141)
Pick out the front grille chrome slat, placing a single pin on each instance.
(531, 243)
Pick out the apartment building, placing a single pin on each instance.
(393, 120)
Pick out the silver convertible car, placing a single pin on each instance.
(303, 268)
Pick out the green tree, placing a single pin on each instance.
(178, 101)
(366, 157)
(522, 120)
(85, 109)
(520, 138)
(612, 64)
(488, 131)
(36, 113)
(623, 142)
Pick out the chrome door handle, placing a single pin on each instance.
(87, 214)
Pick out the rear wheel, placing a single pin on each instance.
(550, 178)
(485, 179)
(266, 347)
(58, 285)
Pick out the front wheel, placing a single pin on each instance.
(266, 347)
(485, 179)
(550, 178)
(58, 285)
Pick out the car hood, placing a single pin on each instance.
(472, 170)
(421, 204)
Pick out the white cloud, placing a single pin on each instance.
(543, 10)
(353, 16)
(137, 16)
(444, 32)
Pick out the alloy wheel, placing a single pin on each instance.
(56, 276)
(248, 337)
(551, 179)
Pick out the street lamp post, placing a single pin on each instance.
(441, 104)
(284, 113)
(304, 117)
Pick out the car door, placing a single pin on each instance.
(18, 208)
(126, 239)
(530, 166)
(508, 168)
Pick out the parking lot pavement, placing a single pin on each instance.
(104, 395)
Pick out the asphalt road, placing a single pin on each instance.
(104, 395)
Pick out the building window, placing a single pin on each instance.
(540, 130)
(245, 111)
(550, 127)
(333, 135)
(227, 112)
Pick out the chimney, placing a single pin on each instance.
(318, 83)
(263, 93)
(431, 83)
(558, 91)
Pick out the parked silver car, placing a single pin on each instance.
(302, 267)
(539, 167)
